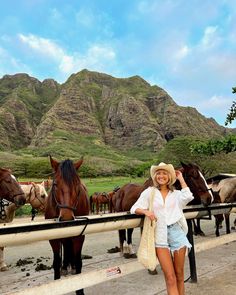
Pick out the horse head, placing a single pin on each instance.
(39, 196)
(197, 184)
(66, 187)
(10, 188)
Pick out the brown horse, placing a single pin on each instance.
(68, 198)
(36, 196)
(202, 193)
(10, 188)
(122, 201)
(129, 193)
(11, 191)
(101, 201)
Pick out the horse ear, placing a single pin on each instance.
(183, 164)
(54, 163)
(78, 164)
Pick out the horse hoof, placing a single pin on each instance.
(4, 268)
(86, 256)
(73, 271)
(133, 255)
(233, 227)
(64, 272)
(152, 272)
(127, 255)
(113, 250)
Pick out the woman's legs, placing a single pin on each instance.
(166, 262)
(179, 257)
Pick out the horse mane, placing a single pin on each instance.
(68, 172)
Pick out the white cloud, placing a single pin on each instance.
(210, 38)
(43, 46)
(182, 52)
(97, 57)
(216, 102)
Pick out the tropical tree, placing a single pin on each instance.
(232, 113)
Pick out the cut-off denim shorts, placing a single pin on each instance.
(176, 238)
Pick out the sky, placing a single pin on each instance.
(188, 48)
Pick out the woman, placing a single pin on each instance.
(170, 239)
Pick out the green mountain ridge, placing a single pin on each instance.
(118, 121)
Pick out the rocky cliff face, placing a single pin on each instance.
(23, 101)
(122, 113)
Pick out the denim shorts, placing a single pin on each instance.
(176, 238)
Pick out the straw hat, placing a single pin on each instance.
(163, 166)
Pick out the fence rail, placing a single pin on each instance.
(19, 234)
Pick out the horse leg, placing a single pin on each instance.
(129, 241)
(122, 239)
(67, 256)
(227, 223)
(56, 247)
(197, 228)
(3, 266)
(77, 249)
(234, 226)
(218, 222)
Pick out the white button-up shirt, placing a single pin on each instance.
(167, 212)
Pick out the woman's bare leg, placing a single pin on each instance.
(166, 262)
(179, 257)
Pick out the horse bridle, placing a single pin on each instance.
(36, 196)
(11, 196)
(3, 203)
(62, 206)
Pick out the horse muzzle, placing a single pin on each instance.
(66, 214)
(19, 200)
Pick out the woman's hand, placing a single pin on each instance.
(179, 175)
(150, 215)
(180, 178)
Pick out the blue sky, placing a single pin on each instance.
(186, 47)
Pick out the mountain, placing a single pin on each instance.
(95, 109)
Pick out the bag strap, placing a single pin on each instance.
(151, 199)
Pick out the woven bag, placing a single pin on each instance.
(146, 251)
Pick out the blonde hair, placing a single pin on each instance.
(169, 185)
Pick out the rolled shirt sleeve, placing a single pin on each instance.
(185, 196)
(142, 202)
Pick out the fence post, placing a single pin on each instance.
(191, 255)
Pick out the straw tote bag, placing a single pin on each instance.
(146, 251)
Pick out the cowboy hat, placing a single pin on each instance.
(163, 166)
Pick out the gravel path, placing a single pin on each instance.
(216, 268)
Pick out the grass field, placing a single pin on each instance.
(101, 184)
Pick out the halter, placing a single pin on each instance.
(62, 206)
(14, 195)
(36, 196)
(3, 204)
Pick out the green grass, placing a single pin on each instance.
(100, 184)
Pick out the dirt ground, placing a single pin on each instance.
(216, 268)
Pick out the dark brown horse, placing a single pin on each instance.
(197, 183)
(11, 191)
(122, 201)
(68, 198)
(10, 188)
(129, 193)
